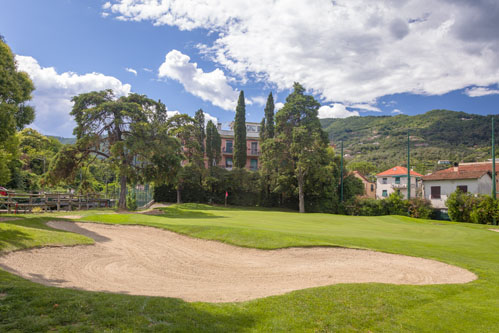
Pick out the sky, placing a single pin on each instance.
(356, 57)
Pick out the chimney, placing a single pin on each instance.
(219, 126)
(456, 167)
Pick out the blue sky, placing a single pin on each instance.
(355, 57)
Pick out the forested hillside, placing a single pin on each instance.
(435, 135)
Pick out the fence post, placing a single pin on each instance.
(58, 202)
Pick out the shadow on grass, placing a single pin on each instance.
(198, 206)
(13, 239)
(61, 309)
(187, 213)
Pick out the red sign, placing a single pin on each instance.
(226, 194)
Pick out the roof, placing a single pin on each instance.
(478, 166)
(357, 173)
(398, 171)
(453, 174)
(230, 134)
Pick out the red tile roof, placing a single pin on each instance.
(451, 174)
(398, 171)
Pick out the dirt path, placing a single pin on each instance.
(147, 261)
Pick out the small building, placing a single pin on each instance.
(395, 179)
(252, 144)
(473, 178)
(369, 187)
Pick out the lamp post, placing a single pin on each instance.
(494, 190)
(341, 174)
(408, 166)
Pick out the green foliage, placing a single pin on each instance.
(15, 92)
(420, 208)
(240, 149)
(131, 200)
(466, 207)
(461, 205)
(486, 211)
(396, 205)
(200, 130)
(269, 117)
(213, 144)
(365, 168)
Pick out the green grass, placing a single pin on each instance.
(471, 307)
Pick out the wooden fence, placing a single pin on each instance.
(25, 202)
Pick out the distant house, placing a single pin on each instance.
(252, 146)
(395, 179)
(369, 187)
(474, 178)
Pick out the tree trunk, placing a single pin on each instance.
(179, 194)
(301, 195)
(122, 200)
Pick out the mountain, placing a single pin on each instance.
(435, 135)
(62, 140)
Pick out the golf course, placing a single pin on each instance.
(408, 304)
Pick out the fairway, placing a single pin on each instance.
(348, 307)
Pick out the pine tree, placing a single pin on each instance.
(269, 117)
(240, 149)
(200, 135)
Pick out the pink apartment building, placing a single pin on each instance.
(252, 144)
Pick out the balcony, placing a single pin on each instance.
(253, 152)
(401, 186)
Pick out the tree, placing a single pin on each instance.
(269, 117)
(15, 91)
(200, 135)
(302, 144)
(365, 168)
(240, 149)
(186, 129)
(130, 132)
(213, 144)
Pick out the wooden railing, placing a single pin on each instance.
(25, 202)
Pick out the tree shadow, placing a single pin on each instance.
(53, 308)
(13, 239)
(186, 213)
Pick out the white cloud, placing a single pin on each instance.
(260, 100)
(278, 106)
(147, 69)
(349, 51)
(336, 111)
(52, 97)
(131, 70)
(397, 111)
(208, 117)
(480, 91)
(211, 86)
(365, 107)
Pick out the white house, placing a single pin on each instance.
(395, 179)
(439, 185)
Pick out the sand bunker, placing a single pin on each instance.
(496, 230)
(148, 261)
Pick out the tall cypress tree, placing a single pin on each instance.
(213, 144)
(200, 135)
(269, 117)
(240, 148)
(263, 135)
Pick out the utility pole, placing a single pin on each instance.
(341, 174)
(494, 190)
(408, 166)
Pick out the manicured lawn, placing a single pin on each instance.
(472, 307)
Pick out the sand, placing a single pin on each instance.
(148, 261)
(496, 230)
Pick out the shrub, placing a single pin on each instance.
(485, 211)
(396, 205)
(131, 200)
(461, 205)
(420, 208)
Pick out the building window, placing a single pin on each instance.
(384, 194)
(228, 162)
(253, 164)
(435, 192)
(372, 187)
(254, 148)
(384, 181)
(228, 146)
(397, 180)
(463, 188)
